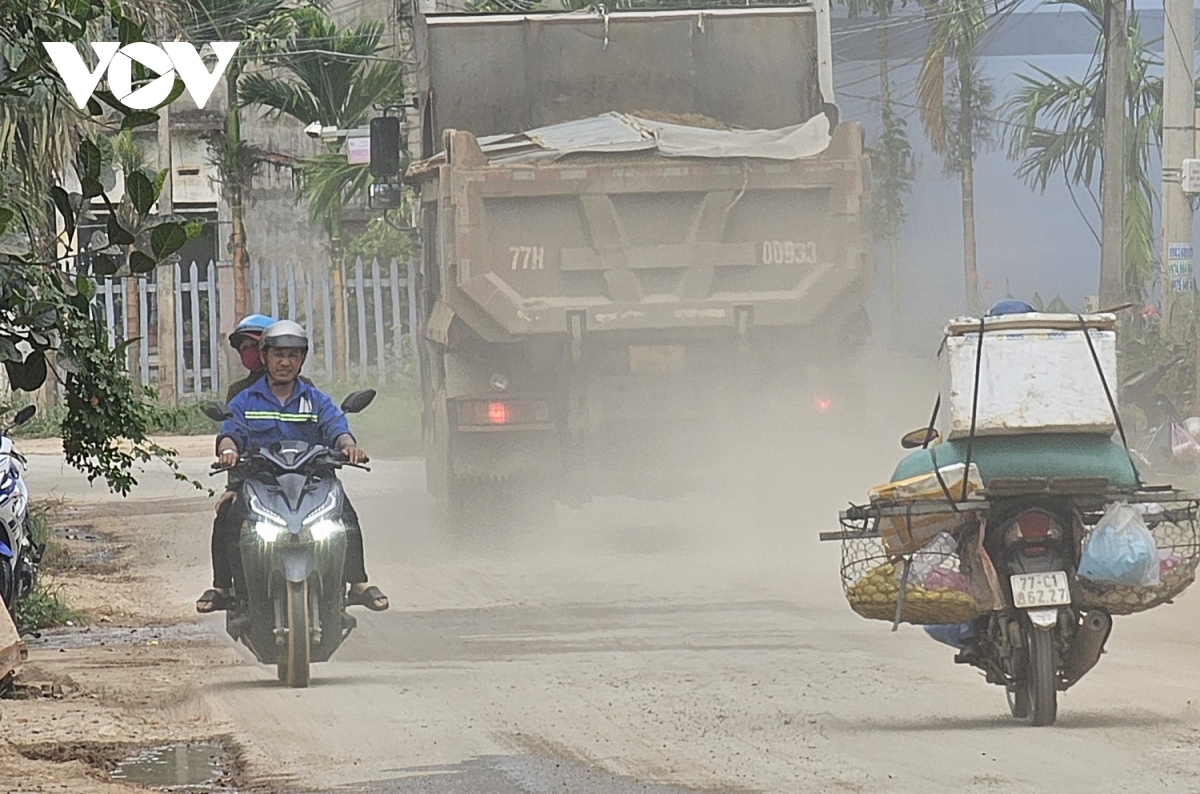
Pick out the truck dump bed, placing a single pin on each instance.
(639, 224)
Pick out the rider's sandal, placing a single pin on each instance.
(367, 598)
(219, 601)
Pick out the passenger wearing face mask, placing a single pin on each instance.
(245, 340)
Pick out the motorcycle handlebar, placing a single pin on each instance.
(335, 457)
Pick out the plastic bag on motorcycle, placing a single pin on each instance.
(1120, 550)
(1183, 443)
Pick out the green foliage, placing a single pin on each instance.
(896, 170)
(328, 182)
(46, 608)
(380, 240)
(963, 146)
(172, 420)
(46, 316)
(1057, 128)
(327, 74)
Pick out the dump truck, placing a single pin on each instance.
(631, 223)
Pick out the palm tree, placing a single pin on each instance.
(332, 76)
(1057, 127)
(257, 24)
(956, 117)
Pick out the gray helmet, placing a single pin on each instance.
(284, 333)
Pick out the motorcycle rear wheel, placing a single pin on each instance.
(1018, 702)
(1040, 680)
(294, 666)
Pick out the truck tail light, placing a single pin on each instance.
(497, 413)
(503, 413)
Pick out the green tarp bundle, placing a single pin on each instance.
(1035, 455)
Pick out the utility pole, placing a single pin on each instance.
(1112, 172)
(1179, 108)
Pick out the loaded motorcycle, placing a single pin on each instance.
(288, 590)
(18, 556)
(1037, 626)
(1019, 537)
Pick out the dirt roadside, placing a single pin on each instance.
(89, 696)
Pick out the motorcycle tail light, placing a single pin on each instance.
(1033, 525)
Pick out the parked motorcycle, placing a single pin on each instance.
(1153, 449)
(18, 556)
(288, 587)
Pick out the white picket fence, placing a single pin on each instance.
(378, 312)
(197, 324)
(378, 309)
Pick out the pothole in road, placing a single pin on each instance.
(212, 765)
(117, 636)
(81, 548)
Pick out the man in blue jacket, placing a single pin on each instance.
(280, 406)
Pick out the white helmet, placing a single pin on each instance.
(284, 333)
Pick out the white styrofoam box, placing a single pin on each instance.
(1032, 380)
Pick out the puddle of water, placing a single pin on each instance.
(194, 766)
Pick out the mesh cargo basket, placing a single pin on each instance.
(1174, 526)
(935, 580)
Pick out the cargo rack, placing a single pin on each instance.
(1088, 494)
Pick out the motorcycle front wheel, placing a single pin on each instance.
(294, 664)
(1040, 678)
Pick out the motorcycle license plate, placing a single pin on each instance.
(1041, 589)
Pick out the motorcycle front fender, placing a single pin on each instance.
(294, 565)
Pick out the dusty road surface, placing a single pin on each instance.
(646, 647)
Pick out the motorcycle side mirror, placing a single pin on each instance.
(357, 400)
(215, 411)
(919, 438)
(24, 415)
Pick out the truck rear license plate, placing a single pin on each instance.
(1041, 589)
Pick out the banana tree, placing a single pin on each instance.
(336, 77)
(954, 106)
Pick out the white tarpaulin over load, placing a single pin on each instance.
(621, 132)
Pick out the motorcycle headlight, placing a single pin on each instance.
(321, 512)
(323, 529)
(263, 514)
(267, 531)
